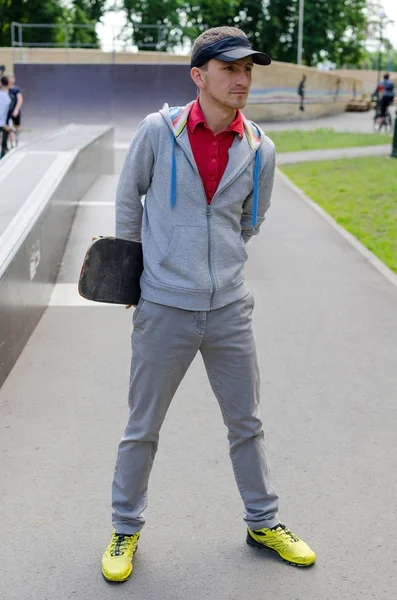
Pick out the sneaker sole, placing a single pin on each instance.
(116, 581)
(258, 546)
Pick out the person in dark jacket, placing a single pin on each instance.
(301, 92)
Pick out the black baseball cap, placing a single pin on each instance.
(227, 50)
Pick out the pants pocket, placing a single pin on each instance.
(137, 310)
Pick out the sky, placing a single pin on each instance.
(112, 23)
(390, 7)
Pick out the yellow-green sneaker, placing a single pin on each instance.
(287, 545)
(117, 558)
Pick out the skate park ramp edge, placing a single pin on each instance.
(41, 185)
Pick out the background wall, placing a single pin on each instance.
(369, 79)
(121, 95)
(274, 92)
(151, 78)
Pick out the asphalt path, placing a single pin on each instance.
(325, 323)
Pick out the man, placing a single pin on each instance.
(301, 92)
(207, 174)
(16, 105)
(5, 102)
(386, 91)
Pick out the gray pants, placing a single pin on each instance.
(165, 341)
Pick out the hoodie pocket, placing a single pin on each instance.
(186, 260)
(228, 256)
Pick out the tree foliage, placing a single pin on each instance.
(386, 60)
(333, 30)
(155, 23)
(33, 11)
(85, 12)
(51, 12)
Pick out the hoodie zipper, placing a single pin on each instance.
(208, 213)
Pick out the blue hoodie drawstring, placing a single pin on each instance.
(257, 170)
(173, 172)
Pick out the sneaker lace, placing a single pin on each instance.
(287, 533)
(119, 544)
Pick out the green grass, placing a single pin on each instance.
(360, 194)
(323, 139)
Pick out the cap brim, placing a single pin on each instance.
(259, 58)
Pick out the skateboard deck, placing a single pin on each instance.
(111, 271)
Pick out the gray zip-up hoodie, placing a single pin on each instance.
(193, 253)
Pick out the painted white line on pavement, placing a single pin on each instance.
(66, 294)
(9, 164)
(121, 146)
(95, 203)
(367, 254)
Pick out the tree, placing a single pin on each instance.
(280, 29)
(33, 11)
(85, 12)
(388, 60)
(183, 20)
(249, 15)
(155, 24)
(334, 30)
(252, 21)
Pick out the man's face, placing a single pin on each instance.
(228, 83)
(11, 81)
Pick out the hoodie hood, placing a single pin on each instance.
(176, 118)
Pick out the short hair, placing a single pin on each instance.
(4, 80)
(386, 76)
(214, 35)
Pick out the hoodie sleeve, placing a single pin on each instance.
(266, 181)
(133, 184)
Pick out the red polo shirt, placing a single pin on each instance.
(210, 151)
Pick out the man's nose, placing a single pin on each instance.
(242, 79)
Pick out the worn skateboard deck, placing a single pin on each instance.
(111, 271)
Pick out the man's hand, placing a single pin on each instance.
(15, 113)
(129, 306)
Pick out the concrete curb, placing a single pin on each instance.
(367, 254)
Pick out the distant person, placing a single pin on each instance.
(207, 173)
(301, 92)
(5, 102)
(15, 109)
(337, 89)
(385, 95)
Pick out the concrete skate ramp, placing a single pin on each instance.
(121, 95)
(41, 187)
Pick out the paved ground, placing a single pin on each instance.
(284, 158)
(326, 325)
(354, 122)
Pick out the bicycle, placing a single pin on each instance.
(385, 122)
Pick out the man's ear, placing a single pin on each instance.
(198, 77)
